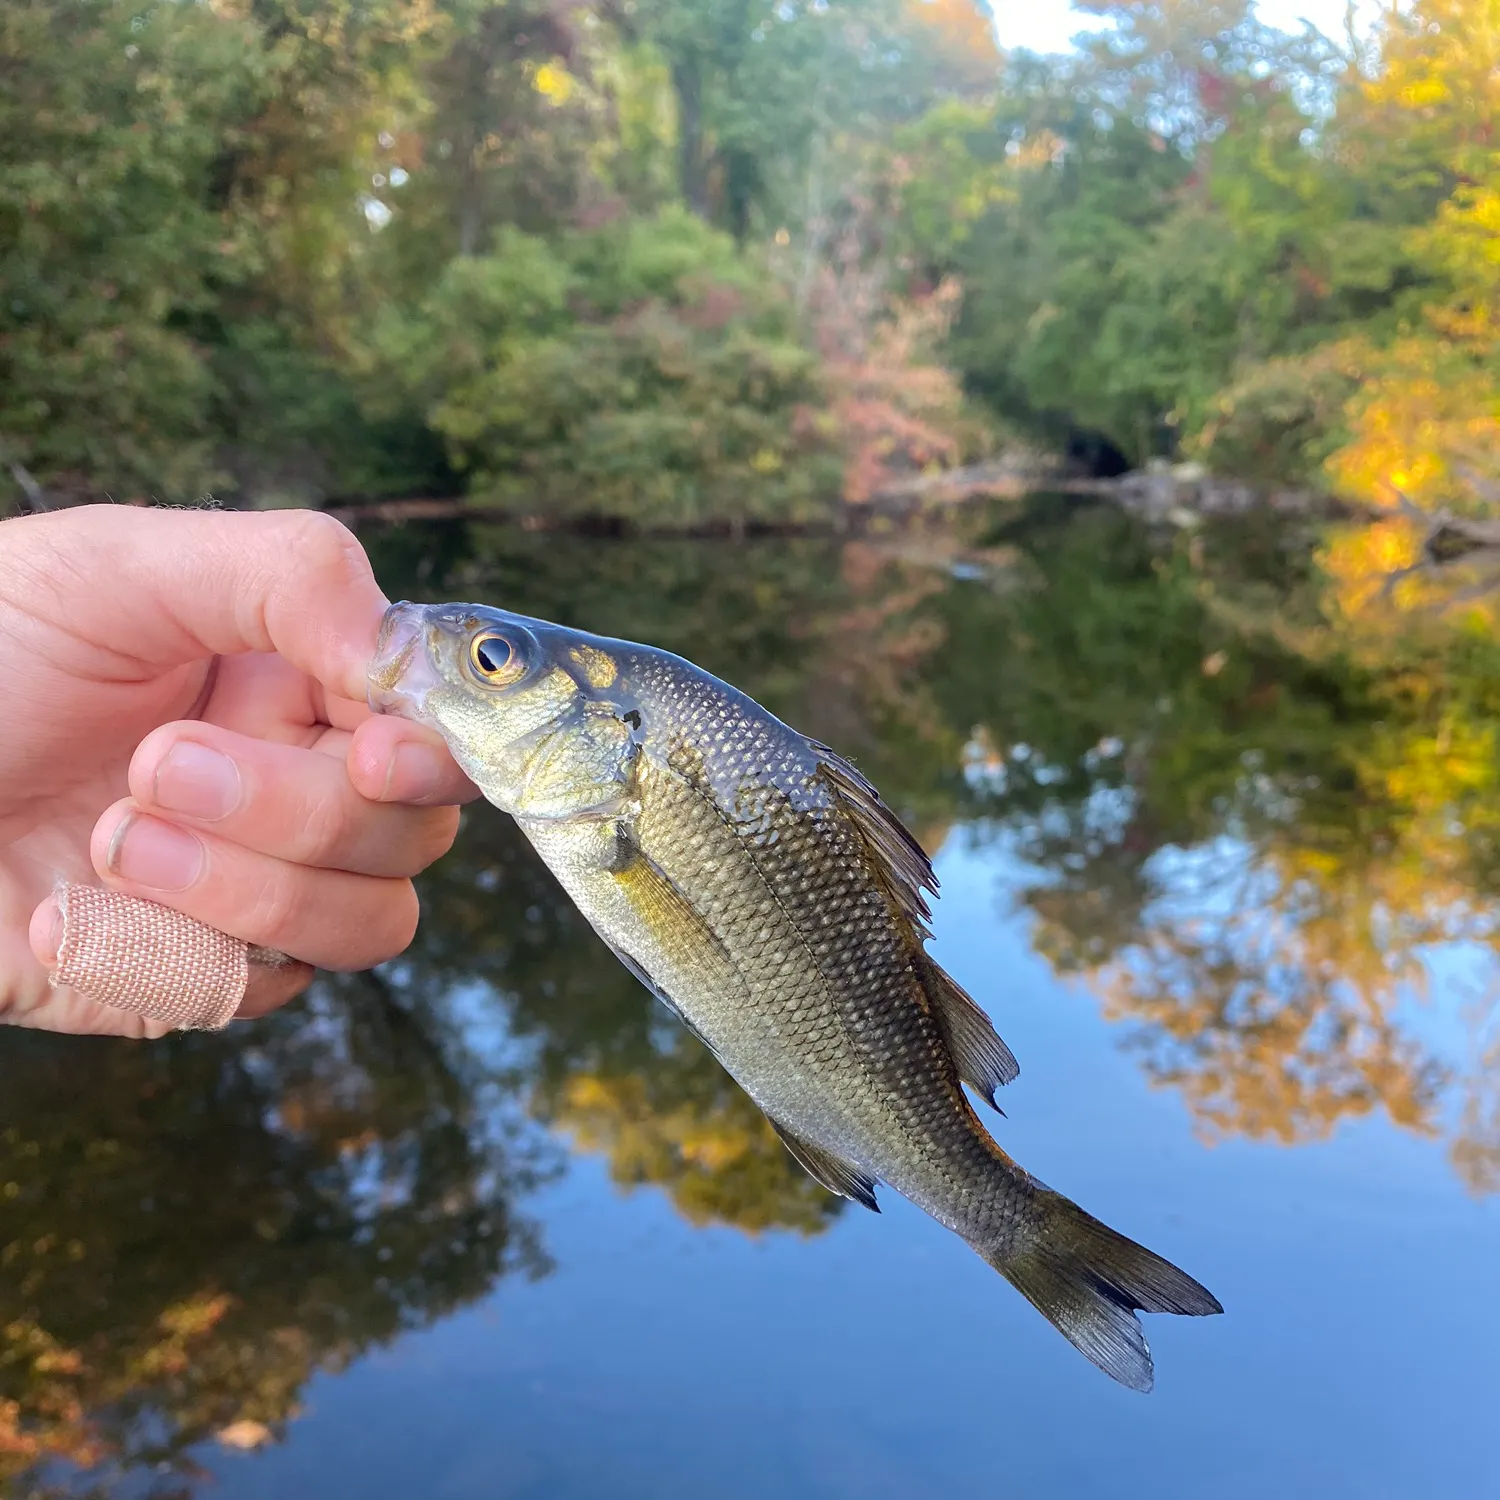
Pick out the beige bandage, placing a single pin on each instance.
(150, 960)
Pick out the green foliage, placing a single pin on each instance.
(1200, 212)
(109, 133)
(952, 172)
(176, 199)
(298, 250)
(304, 249)
(643, 369)
(1280, 420)
(1049, 275)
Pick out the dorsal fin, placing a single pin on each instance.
(983, 1060)
(901, 859)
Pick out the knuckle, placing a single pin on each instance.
(325, 544)
(322, 833)
(273, 915)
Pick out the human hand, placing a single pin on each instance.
(186, 722)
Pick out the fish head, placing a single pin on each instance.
(533, 712)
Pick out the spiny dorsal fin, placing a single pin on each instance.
(902, 860)
(984, 1062)
(838, 1176)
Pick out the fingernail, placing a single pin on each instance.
(200, 782)
(46, 931)
(151, 853)
(417, 773)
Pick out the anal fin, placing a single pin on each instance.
(984, 1062)
(838, 1176)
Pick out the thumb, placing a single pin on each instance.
(148, 590)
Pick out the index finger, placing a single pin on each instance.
(185, 585)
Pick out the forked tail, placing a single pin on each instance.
(1090, 1281)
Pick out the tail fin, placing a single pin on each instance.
(1089, 1281)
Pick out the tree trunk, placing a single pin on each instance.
(470, 204)
(739, 193)
(687, 82)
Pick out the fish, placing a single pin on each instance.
(756, 883)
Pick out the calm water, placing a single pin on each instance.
(1220, 853)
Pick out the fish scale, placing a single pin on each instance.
(757, 884)
(859, 994)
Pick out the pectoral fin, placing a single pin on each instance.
(984, 1062)
(837, 1175)
(674, 922)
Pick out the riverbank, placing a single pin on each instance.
(1159, 493)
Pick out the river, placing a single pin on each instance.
(1220, 854)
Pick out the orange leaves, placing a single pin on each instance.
(900, 412)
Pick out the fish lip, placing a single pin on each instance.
(401, 672)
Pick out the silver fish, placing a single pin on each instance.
(755, 882)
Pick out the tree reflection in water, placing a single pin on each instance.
(1253, 812)
(1256, 815)
(192, 1229)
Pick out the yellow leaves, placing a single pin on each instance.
(180, 1325)
(1428, 409)
(1423, 92)
(58, 1362)
(615, 1114)
(1478, 207)
(553, 82)
(1039, 148)
(1360, 560)
(1431, 400)
(195, 1316)
(1433, 773)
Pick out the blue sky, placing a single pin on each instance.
(1049, 25)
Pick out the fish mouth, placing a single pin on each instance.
(400, 674)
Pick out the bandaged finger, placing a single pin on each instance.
(138, 956)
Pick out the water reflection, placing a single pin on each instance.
(1252, 803)
(1257, 820)
(190, 1231)
(1256, 796)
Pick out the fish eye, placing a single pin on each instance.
(492, 657)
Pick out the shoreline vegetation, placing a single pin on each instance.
(774, 268)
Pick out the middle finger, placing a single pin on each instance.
(328, 918)
(296, 804)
